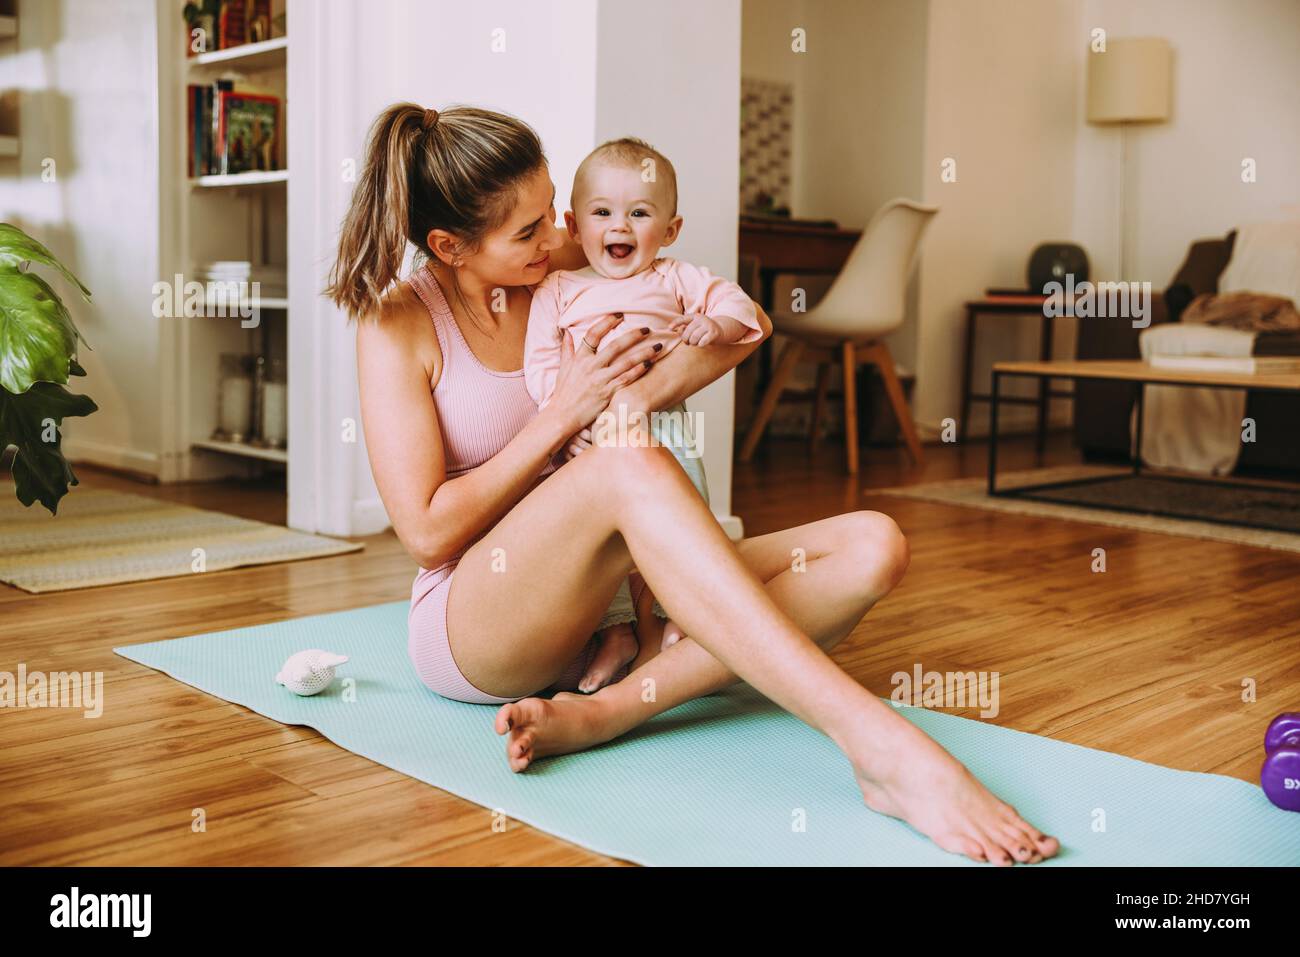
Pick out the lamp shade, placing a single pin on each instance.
(1130, 81)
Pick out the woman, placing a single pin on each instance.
(464, 464)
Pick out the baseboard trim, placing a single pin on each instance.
(369, 517)
(88, 452)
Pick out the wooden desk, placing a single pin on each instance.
(798, 246)
(794, 246)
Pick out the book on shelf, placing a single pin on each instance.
(259, 21)
(231, 131)
(229, 23)
(232, 24)
(247, 137)
(1249, 365)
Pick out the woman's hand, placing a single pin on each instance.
(587, 380)
(578, 443)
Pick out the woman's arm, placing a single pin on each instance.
(434, 517)
(684, 371)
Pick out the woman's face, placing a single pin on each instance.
(518, 252)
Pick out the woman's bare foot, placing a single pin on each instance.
(538, 727)
(906, 774)
(617, 646)
(902, 772)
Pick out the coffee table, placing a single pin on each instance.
(1266, 505)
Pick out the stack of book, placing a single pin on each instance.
(231, 131)
(271, 280)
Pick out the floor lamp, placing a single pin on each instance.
(1128, 82)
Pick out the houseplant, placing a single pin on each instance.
(38, 351)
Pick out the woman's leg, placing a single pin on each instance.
(626, 506)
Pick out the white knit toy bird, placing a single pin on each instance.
(309, 672)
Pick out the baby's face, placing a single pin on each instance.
(621, 221)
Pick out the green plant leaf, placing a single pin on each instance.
(38, 346)
(37, 337)
(40, 471)
(37, 334)
(17, 248)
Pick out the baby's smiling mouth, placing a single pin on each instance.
(619, 250)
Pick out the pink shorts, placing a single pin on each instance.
(430, 651)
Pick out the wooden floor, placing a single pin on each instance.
(1148, 659)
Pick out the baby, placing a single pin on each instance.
(624, 210)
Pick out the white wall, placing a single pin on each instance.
(1002, 101)
(1006, 97)
(346, 66)
(87, 72)
(1236, 94)
(690, 113)
(859, 109)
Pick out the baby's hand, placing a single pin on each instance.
(697, 330)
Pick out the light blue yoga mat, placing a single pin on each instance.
(727, 779)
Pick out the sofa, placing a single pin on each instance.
(1102, 409)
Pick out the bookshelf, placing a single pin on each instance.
(250, 57)
(211, 218)
(243, 449)
(255, 178)
(10, 145)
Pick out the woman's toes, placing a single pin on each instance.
(520, 753)
(1038, 841)
(971, 848)
(1018, 843)
(522, 744)
(505, 718)
(1046, 847)
(996, 853)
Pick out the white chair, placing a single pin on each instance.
(863, 304)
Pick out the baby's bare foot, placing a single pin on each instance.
(538, 727)
(906, 774)
(617, 646)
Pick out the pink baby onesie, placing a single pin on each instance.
(656, 297)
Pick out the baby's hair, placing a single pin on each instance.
(630, 152)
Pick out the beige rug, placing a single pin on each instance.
(972, 492)
(104, 538)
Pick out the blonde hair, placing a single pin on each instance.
(628, 151)
(457, 170)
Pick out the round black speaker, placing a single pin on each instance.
(1051, 261)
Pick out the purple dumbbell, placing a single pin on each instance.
(1280, 775)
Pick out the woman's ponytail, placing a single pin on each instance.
(372, 241)
(455, 170)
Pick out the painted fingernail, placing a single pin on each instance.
(648, 363)
(658, 346)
